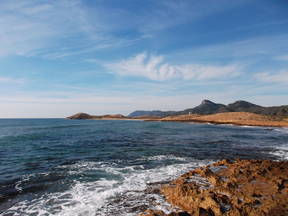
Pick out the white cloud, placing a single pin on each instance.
(155, 68)
(277, 77)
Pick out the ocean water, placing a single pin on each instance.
(90, 168)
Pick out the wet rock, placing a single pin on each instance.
(232, 188)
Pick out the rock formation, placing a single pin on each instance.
(80, 116)
(232, 188)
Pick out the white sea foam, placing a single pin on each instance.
(105, 196)
(163, 157)
(282, 130)
(281, 152)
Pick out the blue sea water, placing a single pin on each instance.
(88, 167)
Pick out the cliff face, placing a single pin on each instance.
(232, 188)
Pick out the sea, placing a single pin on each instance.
(111, 167)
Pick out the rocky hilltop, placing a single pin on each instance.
(206, 107)
(231, 188)
(209, 107)
(87, 116)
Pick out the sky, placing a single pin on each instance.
(61, 57)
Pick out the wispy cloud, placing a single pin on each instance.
(282, 58)
(54, 29)
(11, 80)
(276, 77)
(155, 68)
(57, 29)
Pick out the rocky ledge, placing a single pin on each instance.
(230, 187)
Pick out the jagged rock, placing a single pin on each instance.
(232, 188)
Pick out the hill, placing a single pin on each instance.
(208, 107)
(80, 116)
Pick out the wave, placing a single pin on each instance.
(281, 152)
(124, 195)
(282, 130)
(163, 157)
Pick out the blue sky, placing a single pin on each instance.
(110, 56)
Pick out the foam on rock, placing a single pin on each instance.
(233, 188)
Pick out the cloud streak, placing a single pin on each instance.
(275, 77)
(9, 80)
(282, 58)
(155, 68)
(54, 29)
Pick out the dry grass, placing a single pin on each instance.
(237, 118)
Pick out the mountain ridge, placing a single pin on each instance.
(209, 107)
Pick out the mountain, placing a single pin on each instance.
(206, 107)
(240, 106)
(244, 106)
(209, 107)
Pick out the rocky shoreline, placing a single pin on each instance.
(234, 118)
(229, 187)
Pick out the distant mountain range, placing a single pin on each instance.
(209, 107)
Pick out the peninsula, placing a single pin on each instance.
(237, 113)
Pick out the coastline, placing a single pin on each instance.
(231, 118)
(228, 187)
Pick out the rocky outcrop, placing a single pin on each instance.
(80, 116)
(232, 188)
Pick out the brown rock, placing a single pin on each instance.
(232, 188)
(80, 116)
